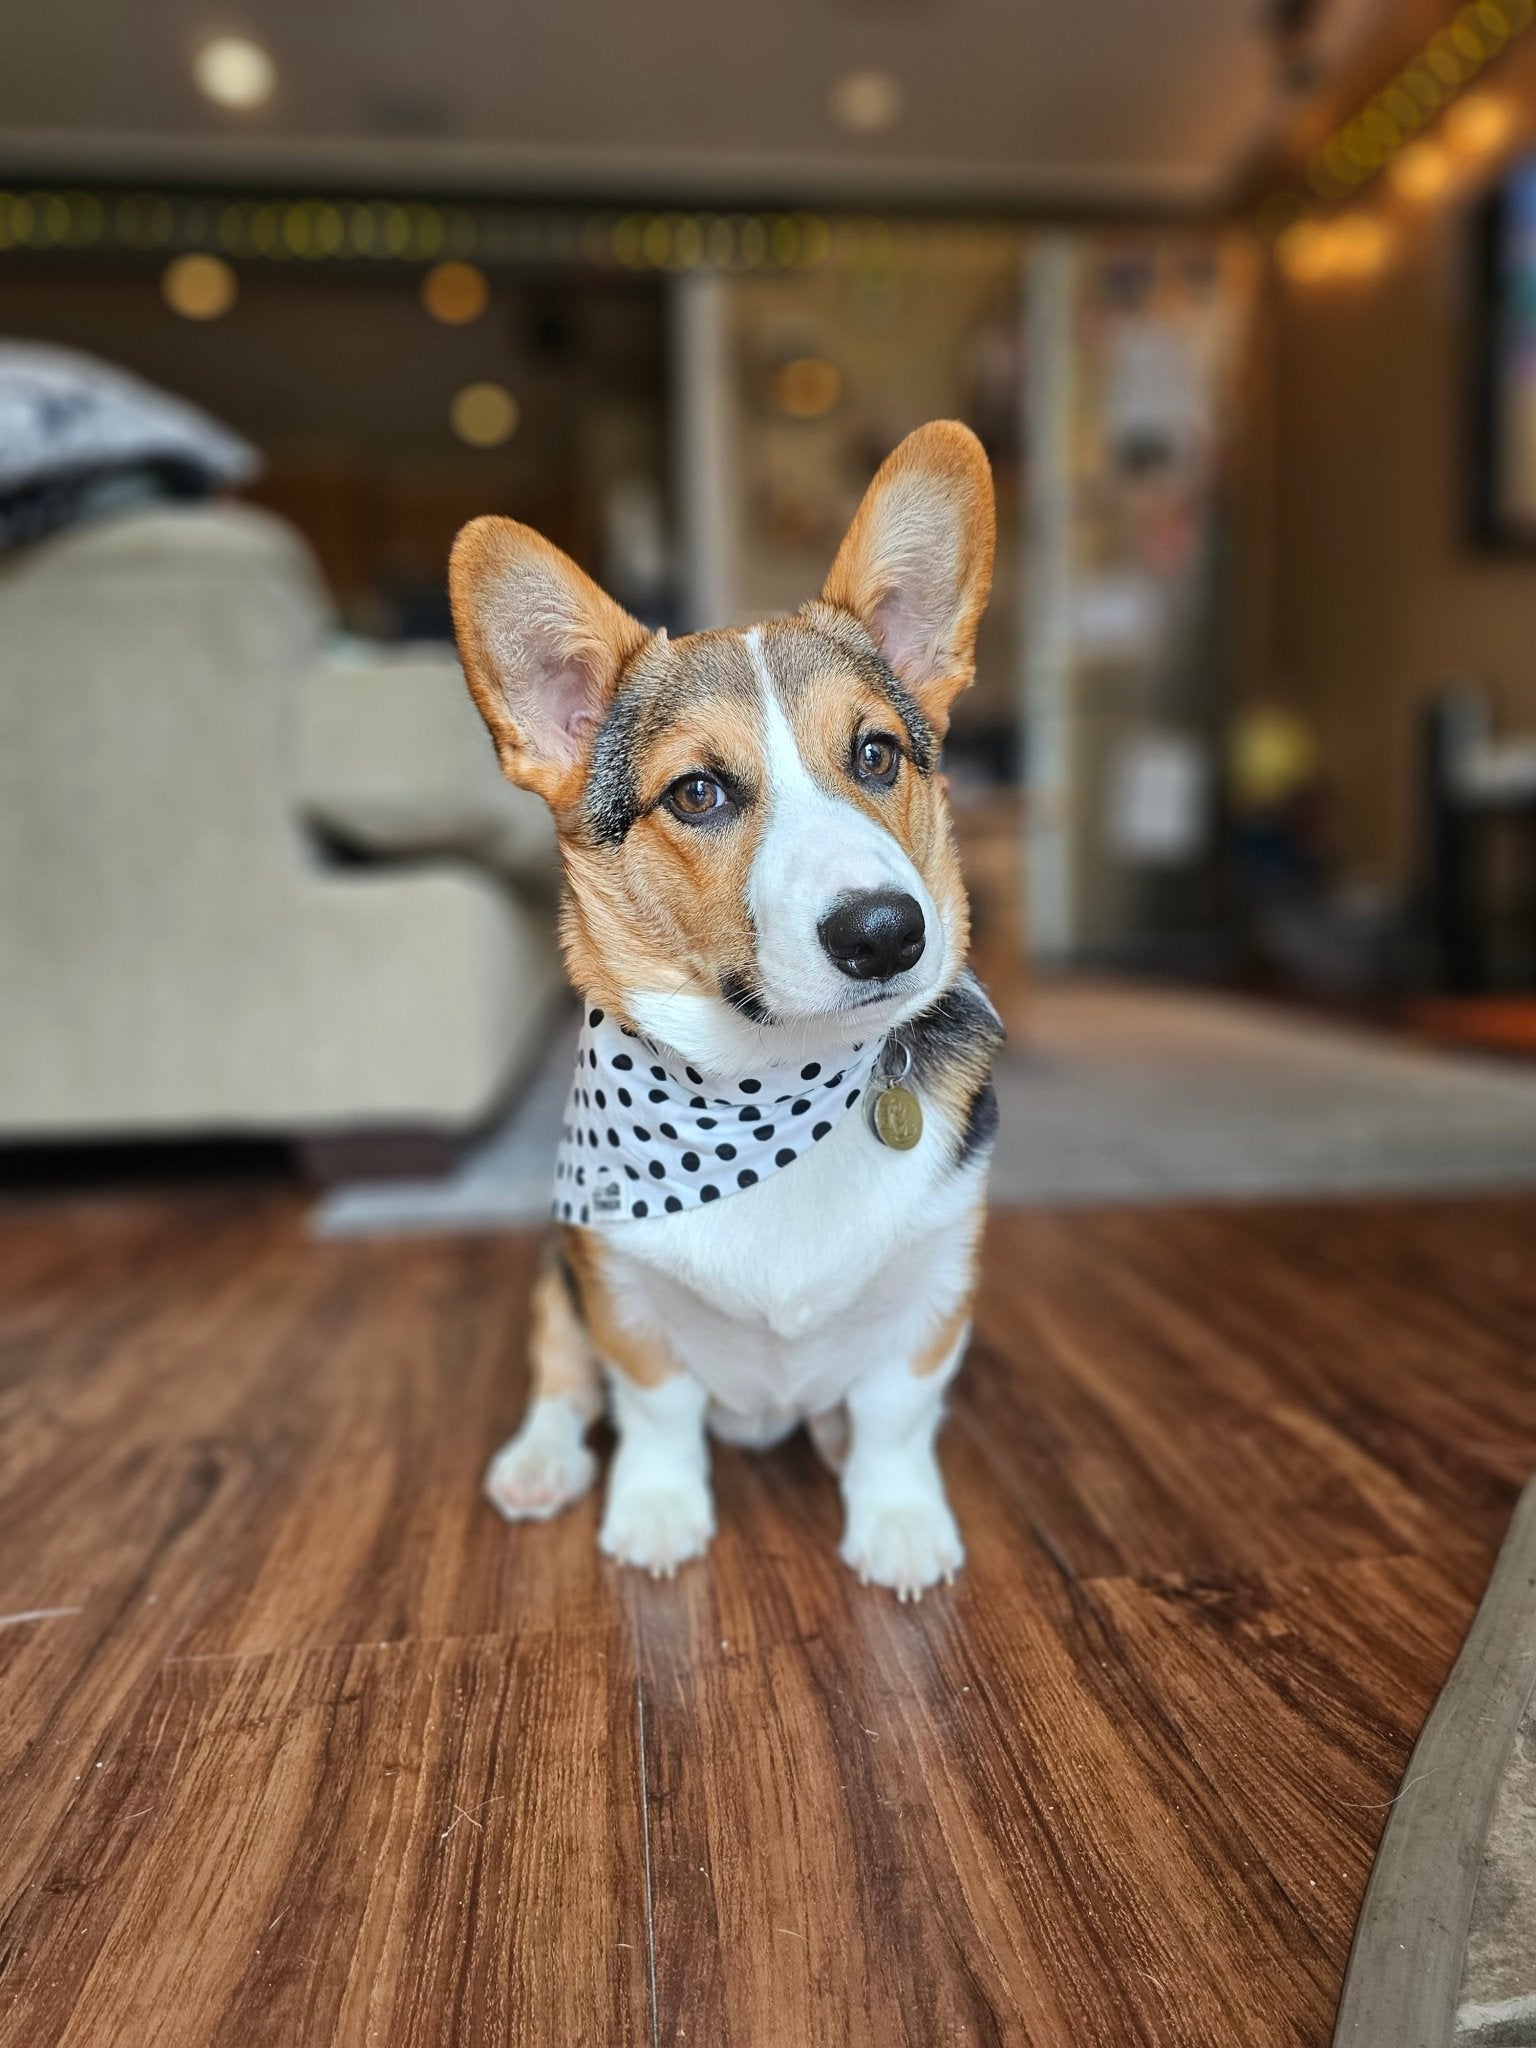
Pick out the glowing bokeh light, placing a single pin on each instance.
(1422, 171)
(1353, 245)
(807, 387)
(867, 102)
(1360, 244)
(199, 287)
(455, 293)
(234, 72)
(484, 415)
(1305, 251)
(1478, 124)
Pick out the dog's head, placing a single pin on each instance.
(755, 833)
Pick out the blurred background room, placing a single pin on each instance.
(1242, 302)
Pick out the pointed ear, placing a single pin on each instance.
(916, 565)
(543, 649)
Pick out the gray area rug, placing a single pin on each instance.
(1497, 2005)
(1114, 1094)
(1444, 1954)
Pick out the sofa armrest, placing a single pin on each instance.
(394, 760)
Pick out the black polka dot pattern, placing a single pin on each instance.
(618, 1169)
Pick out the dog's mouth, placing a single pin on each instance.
(747, 999)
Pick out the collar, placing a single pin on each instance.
(645, 1134)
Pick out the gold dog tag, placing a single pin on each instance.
(898, 1118)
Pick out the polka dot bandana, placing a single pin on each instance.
(647, 1135)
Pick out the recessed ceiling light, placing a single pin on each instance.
(235, 72)
(865, 102)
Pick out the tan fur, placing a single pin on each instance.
(644, 1359)
(955, 1085)
(560, 1351)
(524, 614)
(829, 702)
(601, 719)
(668, 908)
(927, 517)
(935, 1352)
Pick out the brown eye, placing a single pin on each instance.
(876, 759)
(693, 797)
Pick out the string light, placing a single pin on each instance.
(1355, 245)
(1422, 171)
(1428, 83)
(1386, 134)
(159, 224)
(1478, 124)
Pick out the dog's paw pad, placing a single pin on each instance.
(537, 1474)
(657, 1527)
(906, 1545)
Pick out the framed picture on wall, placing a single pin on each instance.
(1504, 476)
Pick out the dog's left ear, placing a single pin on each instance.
(915, 567)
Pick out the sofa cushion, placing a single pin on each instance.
(396, 763)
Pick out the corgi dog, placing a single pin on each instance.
(772, 1174)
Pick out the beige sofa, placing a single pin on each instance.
(180, 948)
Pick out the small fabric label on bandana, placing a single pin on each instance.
(645, 1134)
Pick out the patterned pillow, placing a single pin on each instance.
(78, 437)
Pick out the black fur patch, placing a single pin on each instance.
(567, 1274)
(961, 1033)
(653, 694)
(980, 1125)
(742, 996)
(920, 734)
(612, 799)
(841, 641)
(962, 1021)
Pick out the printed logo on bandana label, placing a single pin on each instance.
(607, 1199)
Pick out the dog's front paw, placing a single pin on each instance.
(544, 1468)
(657, 1525)
(908, 1545)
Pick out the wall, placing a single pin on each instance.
(1377, 593)
(339, 377)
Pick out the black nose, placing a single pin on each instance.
(871, 934)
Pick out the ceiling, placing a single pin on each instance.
(1011, 102)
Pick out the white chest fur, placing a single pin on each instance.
(777, 1299)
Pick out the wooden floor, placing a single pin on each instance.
(305, 1747)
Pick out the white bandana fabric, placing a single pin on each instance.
(647, 1135)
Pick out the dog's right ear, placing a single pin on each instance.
(543, 649)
